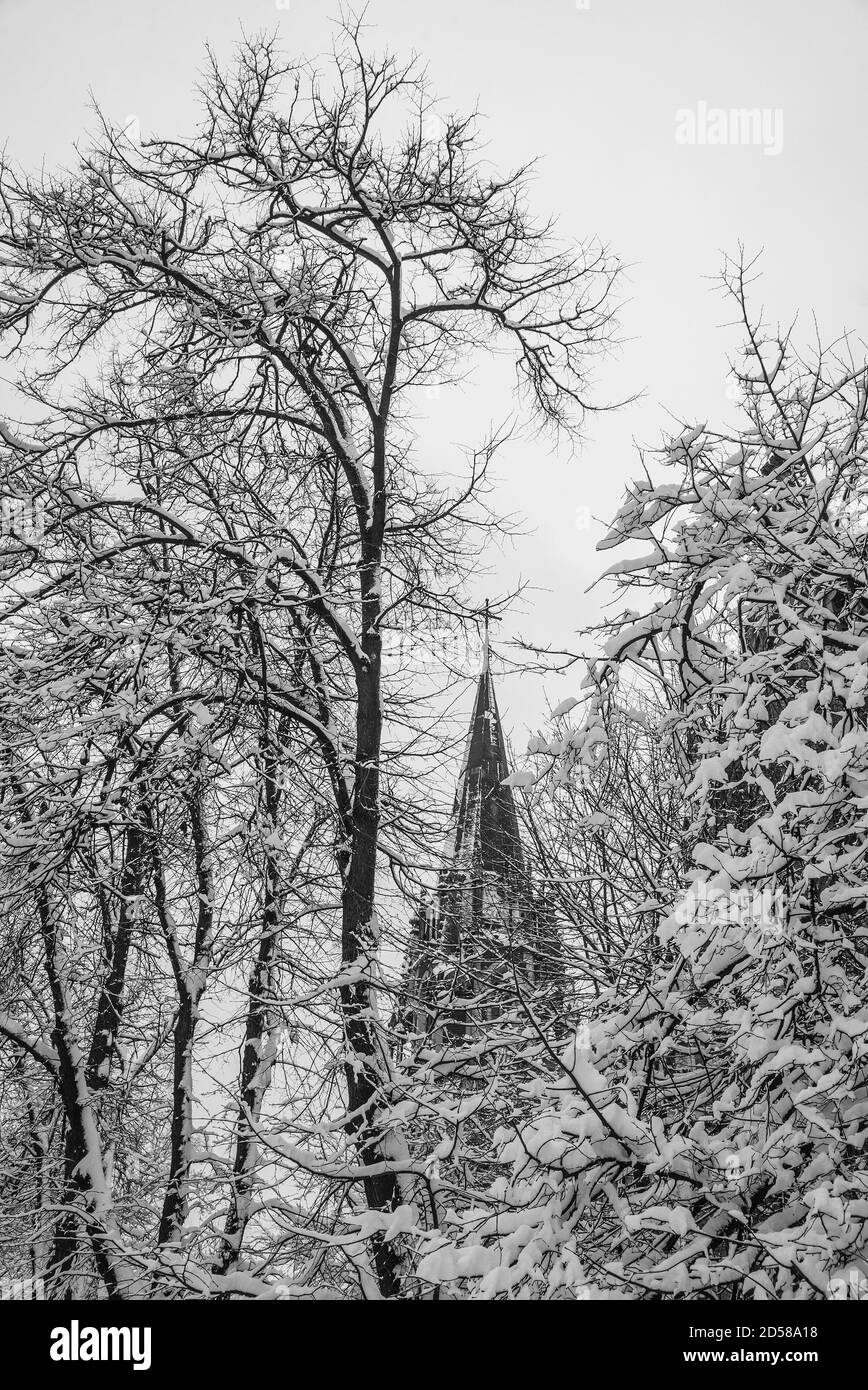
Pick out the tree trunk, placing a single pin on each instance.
(257, 1056)
(367, 1067)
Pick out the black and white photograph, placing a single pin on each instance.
(433, 679)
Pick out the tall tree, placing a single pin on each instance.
(232, 330)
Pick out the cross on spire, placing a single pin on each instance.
(486, 641)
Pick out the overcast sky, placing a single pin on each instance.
(594, 92)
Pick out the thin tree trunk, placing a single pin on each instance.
(190, 982)
(106, 1028)
(367, 1068)
(255, 1075)
(37, 1150)
(85, 1169)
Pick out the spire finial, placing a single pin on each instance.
(486, 651)
(487, 618)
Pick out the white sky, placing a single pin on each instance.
(594, 93)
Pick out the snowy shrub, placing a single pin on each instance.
(708, 1137)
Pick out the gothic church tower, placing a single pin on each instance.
(485, 945)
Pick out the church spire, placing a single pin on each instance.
(485, 827)
(484, 921)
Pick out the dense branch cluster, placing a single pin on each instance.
(217, 510)
(706, 1135)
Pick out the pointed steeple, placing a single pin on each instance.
(485, 832)
(484, 921)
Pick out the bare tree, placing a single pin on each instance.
(606, 842)
(236, 325)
